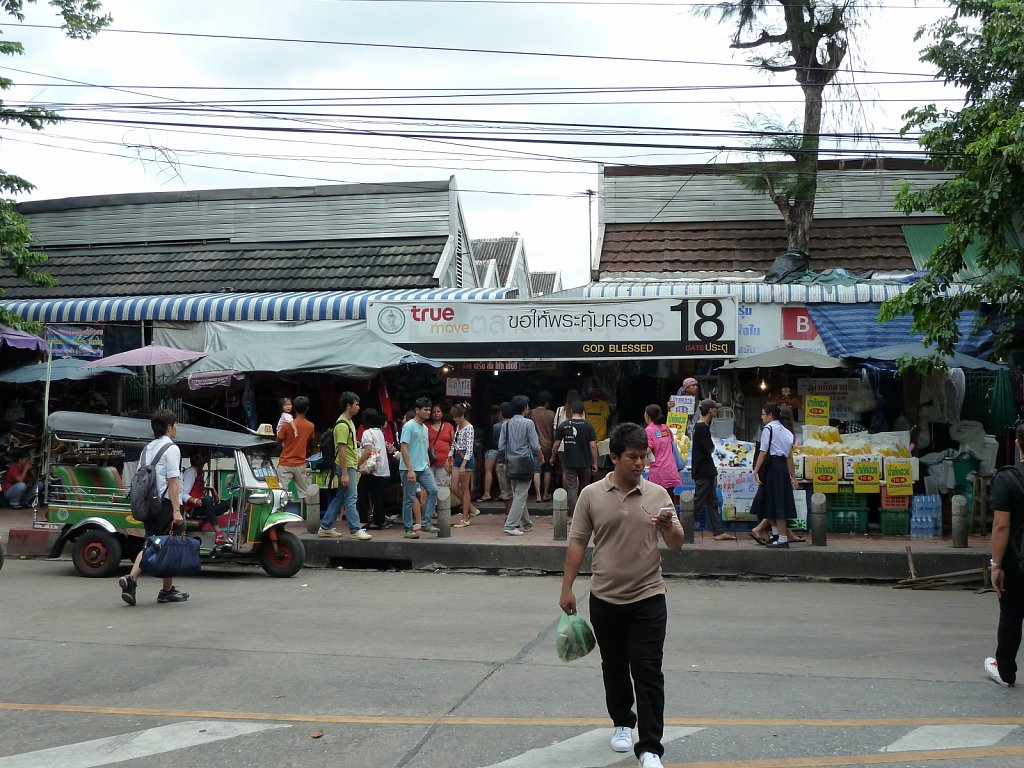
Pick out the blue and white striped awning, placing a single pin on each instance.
(200, 307)
(745, 292)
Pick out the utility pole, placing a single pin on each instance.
(590, 224)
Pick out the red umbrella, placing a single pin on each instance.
(154, 354)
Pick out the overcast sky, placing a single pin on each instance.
(537, 190)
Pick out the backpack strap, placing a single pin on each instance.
(156, 459)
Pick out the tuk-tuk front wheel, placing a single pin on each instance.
(288, 559)
(97, 554)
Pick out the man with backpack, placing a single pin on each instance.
(160, 469)
(1007, 566)
(345, 459)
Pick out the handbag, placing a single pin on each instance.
(167, 556)
(521, 467)
(763, 473)
(680, 464)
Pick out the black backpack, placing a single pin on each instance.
(142, 495)
(328, 450)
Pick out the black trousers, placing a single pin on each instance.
(705, 495)
(1011, 619)
(372, 493)
(631, 638)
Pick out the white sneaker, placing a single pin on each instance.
(361, 535)
(993, 671)
(650, 760)
(622, 739)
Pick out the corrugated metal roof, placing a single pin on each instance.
(306, 305)
(849, 244)
(542, 282)
(190, 269)
(501, 249)
(923, 239)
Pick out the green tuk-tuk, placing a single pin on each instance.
(85, 495)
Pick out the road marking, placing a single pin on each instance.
(891, 758)
(511, 722)
(131, 746)
(950, 737)
(587, 749)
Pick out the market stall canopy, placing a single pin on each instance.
(351, 351)
(153, 354)
(16, 339)
(894, 352)
(72, 425)
(61, 369)
(773, 358)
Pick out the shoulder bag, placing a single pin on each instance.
(167, 556)
(763, 474)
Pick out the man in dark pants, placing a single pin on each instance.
(622, 512)
(168, 486)
(1007, 574)
(704, 471)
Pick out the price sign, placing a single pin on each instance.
(816, 409)
(866, 475)
(458, 387)
(683, 403)
(677, 421)
(826, 474)
(899, 478)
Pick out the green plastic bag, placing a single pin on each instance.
(575, 638)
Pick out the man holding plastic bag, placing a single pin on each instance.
(624, 514)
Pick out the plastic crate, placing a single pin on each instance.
(847, 501)
(894, 502)
(847, 520)
(895, 522)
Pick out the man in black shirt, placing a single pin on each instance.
(579, 459)
(1007, 573)
(705, 474)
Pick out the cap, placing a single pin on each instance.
(265, 430)
(707, 405)
(690, 382)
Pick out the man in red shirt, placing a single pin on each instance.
(294, 438)
(19, 485)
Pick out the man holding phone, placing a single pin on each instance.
(625, 514)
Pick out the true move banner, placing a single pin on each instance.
(560, 330)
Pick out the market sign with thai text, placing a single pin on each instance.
(594, 329)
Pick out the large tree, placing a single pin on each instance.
(811, 40)
(82, 20)
(980, 47)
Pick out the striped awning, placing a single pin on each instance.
(745, 292)
(200, 307)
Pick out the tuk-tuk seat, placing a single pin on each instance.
(87, 484)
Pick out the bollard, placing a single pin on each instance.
(819, 520)
(559, 510)
(313, 509)
(960, 526)
(444, 512)
(686, 515)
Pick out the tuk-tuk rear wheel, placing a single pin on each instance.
(96, 554)
(288, 559)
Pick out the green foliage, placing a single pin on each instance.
(82, 19)
(979, 49)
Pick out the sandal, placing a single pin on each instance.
(475, 512)
(485, 498)
(461, 524)
(758, 539)
(796, 538)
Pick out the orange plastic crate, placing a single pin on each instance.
(894, 502)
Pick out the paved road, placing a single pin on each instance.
(458, 671)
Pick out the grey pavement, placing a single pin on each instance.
(361, 668)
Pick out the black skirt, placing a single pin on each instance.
(774, 497)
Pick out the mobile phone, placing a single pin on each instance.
(665, 513)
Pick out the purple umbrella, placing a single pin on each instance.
(20, 339)
(154, 354)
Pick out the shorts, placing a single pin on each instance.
(441, 477)
(491, 455)
(160, 524)
(457, 461)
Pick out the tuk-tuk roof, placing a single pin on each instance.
(71, 425)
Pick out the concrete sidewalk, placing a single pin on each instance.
(483, 546)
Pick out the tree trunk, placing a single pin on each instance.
(798, 228)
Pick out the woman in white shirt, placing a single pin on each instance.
(462, 462)
(375, 472)
(775, 476)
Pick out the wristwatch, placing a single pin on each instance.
(994, 564)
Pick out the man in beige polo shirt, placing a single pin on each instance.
(627, 593)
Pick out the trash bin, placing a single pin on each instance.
(963, 465)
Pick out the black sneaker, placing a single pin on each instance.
(127, 585)
(171, 595)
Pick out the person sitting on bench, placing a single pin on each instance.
(195, 497)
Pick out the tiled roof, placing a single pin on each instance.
(186, 269)
(501, 249)
(737, 246)
(542, 282)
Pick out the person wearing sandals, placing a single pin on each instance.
(760, 531)
(704, 471)
(776, 483)
(491, 452)
(441, 434)
(461, 462)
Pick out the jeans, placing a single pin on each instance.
(518, 513)
(1011, 618)
(425, 478)
(346, 496)
(704, 495)
(21, 495)
(631, 638)
(575, 479)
